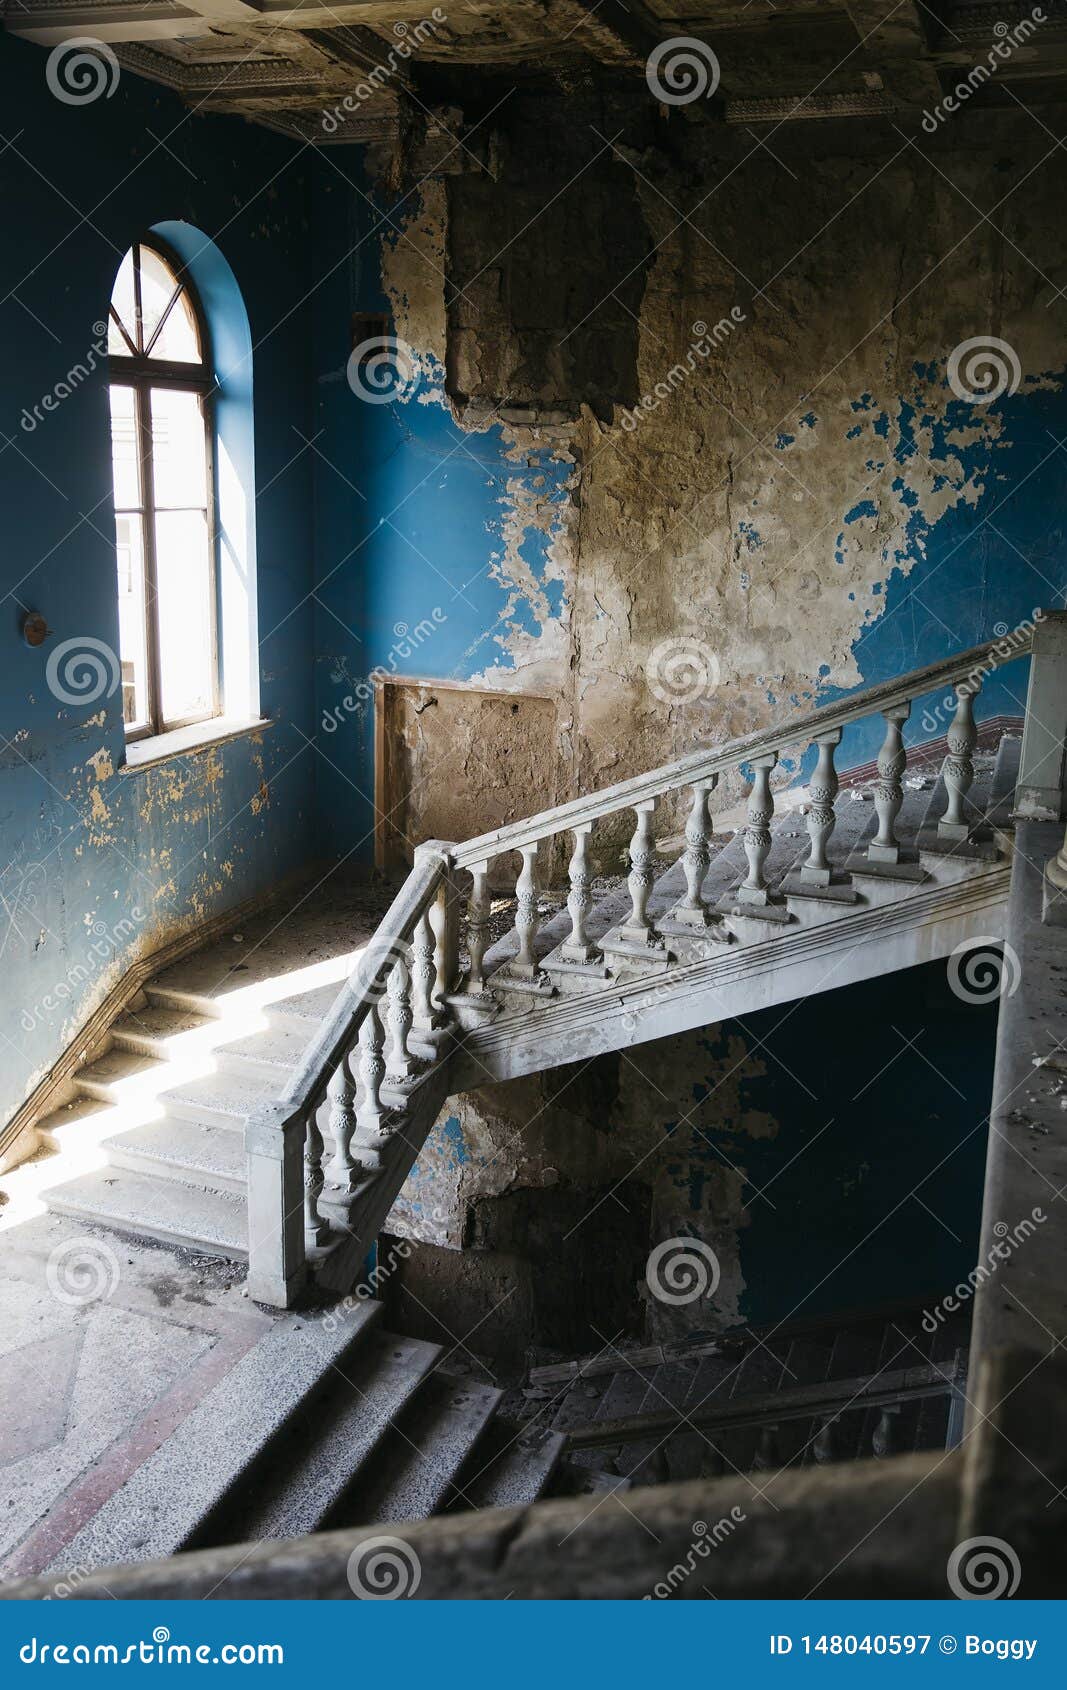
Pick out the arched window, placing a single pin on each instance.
(161, 384)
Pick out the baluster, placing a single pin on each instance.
(691, 911)
(402, 1066)
(885, 1439)
(343, 1170)
(757, 835)
(767, 1456)
(889, 792)
(316, 1230)
(371, 1116)
(825, 1445)
(638, 929)
(424, 975)
(526, 917)
(578, 947)
(444, 952)
(479, 910)
(822, 791)
(959, 767)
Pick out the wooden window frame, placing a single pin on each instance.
(141, 372)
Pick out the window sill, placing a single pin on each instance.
(186, 742)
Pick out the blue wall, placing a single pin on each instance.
(99, 864)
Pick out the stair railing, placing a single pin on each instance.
(408, 964)
(413, 958)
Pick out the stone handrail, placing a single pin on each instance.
(976, 662)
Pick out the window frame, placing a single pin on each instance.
(140, 372)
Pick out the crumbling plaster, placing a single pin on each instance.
(805, 506)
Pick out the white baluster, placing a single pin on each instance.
(372, 1128)
(757, 834)
(315, 1229)
(822, 791)
(638, 929)
(402, 1067)
(524, 964)
(691, 911)
(445, 951)
(424, 976)
(959, 768)
(342, 1170)
(479, 910)
(578, 947)
(889, 791)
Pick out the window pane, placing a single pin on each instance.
(158, 283)
(129, 542)
(183, 606)
(178, 339)
(124, 463)
(122, 298)
(179, 449)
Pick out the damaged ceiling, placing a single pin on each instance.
(357, 69)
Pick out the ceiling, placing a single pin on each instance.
(342, 70)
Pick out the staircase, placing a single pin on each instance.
(280, 1128)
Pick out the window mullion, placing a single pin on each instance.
(148, 499)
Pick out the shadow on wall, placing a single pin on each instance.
(830, 1155)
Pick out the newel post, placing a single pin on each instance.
(1041, 789)
(274, 1143)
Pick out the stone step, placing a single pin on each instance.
(509, 1468)
(160, 1030)
(414, 1470)
(269, 1055)
(121, 1077)
(171, 1499)
(145, 1206)
(219, 1099)
(194, 1152)
(302, 1011)
(329, 1444)
(71, 1122)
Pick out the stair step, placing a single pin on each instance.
(120, 1076)
(419, 1461)
(572, 1478)
(70, 1121)
(221, 1099)
(337, 1435)
(192, 1151)
(509, 1467)
(145, 1206)
(158, 1029)
(303, 1011)
(172, 1496)
(270, 1054)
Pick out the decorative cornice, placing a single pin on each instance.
(788, 108)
